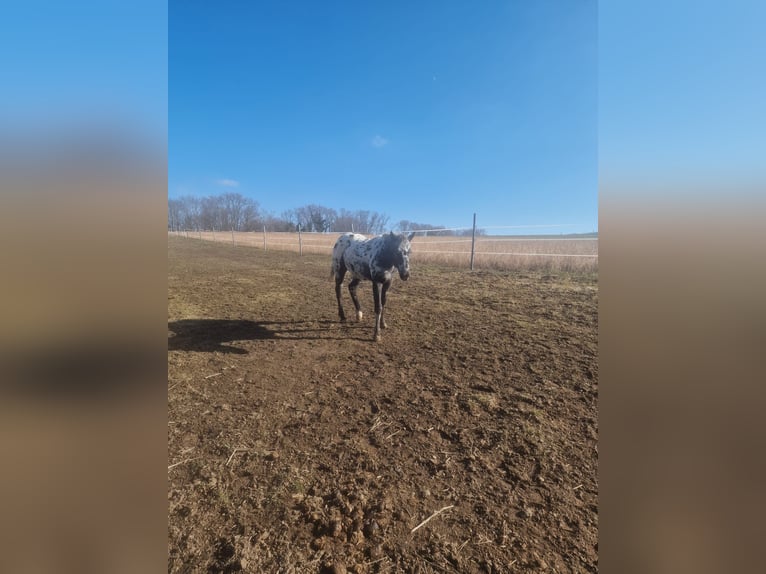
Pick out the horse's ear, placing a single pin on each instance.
(410, 236)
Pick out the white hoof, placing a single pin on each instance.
(359, 315)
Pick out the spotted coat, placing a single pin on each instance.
(373, 260)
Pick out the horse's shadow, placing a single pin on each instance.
(216, 335)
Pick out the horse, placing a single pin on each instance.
(370, 260)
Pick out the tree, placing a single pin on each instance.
(233, 211)
(239, 213)
(314, 217)
(361, 221)
(212, 214)
(175, 209)
(291, 218)
(376, 222)
(189, 213)
(274, 223)
(405, 225)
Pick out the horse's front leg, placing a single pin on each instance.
(378, 309)
(352, 290)
(383, 292)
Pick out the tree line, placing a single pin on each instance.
(233, 211)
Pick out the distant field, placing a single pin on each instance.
(555, 253)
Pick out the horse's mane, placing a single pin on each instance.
(391, 243)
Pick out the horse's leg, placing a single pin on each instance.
(383, 291)
(376, 297)
(352, 289)
(339, 275)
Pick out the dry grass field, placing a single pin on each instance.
(492, 251)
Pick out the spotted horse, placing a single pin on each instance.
(370, 260)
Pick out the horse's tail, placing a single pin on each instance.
(334, 268)
(337, 253)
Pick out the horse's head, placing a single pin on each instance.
(399, 244)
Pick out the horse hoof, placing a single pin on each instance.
(383, 325)
(376, 337)
(359, 315)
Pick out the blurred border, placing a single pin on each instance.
(83, 190)
(682, 276)
(83, 164)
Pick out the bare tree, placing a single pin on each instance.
(344, 222)
(376, 222)
(273, 223)
(361, 221)
(233, 211)
(251, 216)
(468, 232)
(292, 219)
(189, 212)
(322, 218)
(175, 209)
(405, 225)
(212, 214)
(314, 217)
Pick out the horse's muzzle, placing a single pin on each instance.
(404, 276)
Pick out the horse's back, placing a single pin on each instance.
(345, 241)
(342, 244)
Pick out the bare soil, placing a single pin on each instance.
(297, 444)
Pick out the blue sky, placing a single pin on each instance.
(426, 111)
(682, 95)
(487, 107)
(77, 65)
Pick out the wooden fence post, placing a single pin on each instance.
(473, 240)
(232, 235)
(300, 242)
(264, 238)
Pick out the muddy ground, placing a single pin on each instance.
(296, 444)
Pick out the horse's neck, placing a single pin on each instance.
(385, 258)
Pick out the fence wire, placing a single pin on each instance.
(488, 250)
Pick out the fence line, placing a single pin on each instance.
(485, 239)
(537, 226)
(332, 235)
(506, 253)
(580, 248)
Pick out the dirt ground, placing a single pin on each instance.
(297, 444)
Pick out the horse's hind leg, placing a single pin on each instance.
(339, 275)
(352, 290)
(378, 310)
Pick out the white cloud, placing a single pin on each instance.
(228, 182)
(379, 141)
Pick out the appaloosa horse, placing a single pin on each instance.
(371, 260)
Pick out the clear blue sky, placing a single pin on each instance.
(682, 94)
(482, 106)
(77, 65)
(426, 111)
